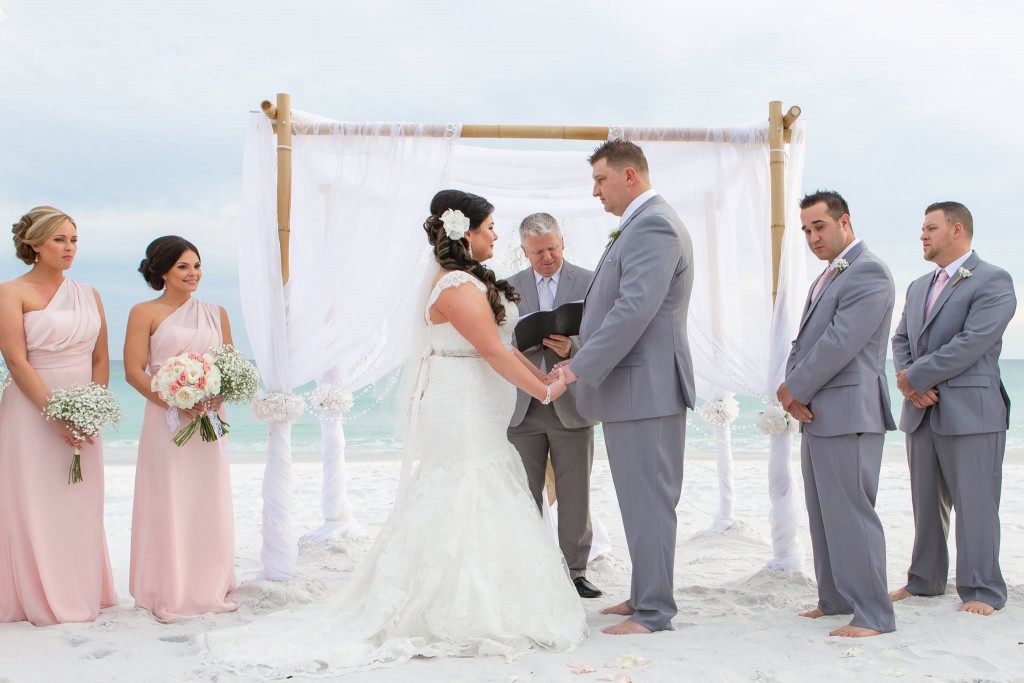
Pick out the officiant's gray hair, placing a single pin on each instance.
(538, 224)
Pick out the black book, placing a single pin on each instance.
(533, 328)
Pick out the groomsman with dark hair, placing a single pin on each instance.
(956, 410)
(835, 385)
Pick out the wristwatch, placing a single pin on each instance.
(547, 395)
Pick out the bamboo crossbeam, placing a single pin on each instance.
(779, 132)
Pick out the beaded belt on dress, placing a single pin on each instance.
(455, 354)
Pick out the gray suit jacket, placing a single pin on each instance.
(837, 365)
(634, 361)
(956, 350)
(572, 286)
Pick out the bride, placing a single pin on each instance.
(464, 565)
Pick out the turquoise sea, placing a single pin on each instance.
(371, 434)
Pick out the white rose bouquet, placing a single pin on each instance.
(239, 379)
(185, 382)
(86, 410)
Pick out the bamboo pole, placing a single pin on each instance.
(777, 167)
(284, 177)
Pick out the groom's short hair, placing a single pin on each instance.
(619, 154)
(538, 224)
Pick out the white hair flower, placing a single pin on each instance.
(455, 224)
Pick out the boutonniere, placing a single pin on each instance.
(838, 266)
(612, 236)
(961, 275)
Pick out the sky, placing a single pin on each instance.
(131, 116)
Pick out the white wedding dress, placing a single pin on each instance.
(463, 567)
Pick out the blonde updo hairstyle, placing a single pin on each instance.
(34, 228)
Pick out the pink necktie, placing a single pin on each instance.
(940, 282)
(820, 284)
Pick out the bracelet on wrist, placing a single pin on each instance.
(547, 395)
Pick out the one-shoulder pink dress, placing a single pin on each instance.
(183, 533)
(54, 565)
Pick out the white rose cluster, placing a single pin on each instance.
(188, 379)
(327, 398)
(720, 413)
(277, 408)
(239, 379)
(774, 421)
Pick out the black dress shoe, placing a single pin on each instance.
(585, 588)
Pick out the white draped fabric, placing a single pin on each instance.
(360, 196)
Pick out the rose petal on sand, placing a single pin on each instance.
(583, 670)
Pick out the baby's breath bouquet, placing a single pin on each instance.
(5, 379)
(86, 410)
(239, 379)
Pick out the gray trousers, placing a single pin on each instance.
(646, 459)
(966, 473)
(572, 456)
(840, 483)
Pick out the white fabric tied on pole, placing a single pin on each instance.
(329, 402)
(719, 414)
(359, 196)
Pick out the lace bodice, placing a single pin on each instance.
(443, 337)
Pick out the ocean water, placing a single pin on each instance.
(370, 433)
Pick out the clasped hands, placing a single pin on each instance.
(921, 399)
(562, 372)
(792, 406)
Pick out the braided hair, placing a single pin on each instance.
(454, 254)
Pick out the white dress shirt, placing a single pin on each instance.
(951, 271)
(636, 204)
(554, 284)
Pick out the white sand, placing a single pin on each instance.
(736, 623)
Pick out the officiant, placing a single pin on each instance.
(557, 429)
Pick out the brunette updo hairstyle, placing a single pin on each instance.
(161, 255)
(454, 254)
(34, 228)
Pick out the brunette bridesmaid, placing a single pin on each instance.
(54, 565)
(183, 538)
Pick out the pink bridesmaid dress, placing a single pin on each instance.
(54, 565)
(183, 534)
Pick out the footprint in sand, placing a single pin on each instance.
(98, 654)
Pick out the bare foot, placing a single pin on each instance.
(850, 631)
(813, 614)
(977, 607)
(622, 609)
(625, 627)
(900, 594)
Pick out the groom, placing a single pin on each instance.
(635, 373)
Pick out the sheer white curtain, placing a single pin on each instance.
(359, 195)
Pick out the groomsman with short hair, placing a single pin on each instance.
(956, 410)
(835, 385)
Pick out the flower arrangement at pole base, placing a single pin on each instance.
(186, 382)
(86, 410)
(277, 407)
(719, 413)
(774, 421)
(328, 401)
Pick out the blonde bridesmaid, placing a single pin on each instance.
(183, 537)
(54, 565)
